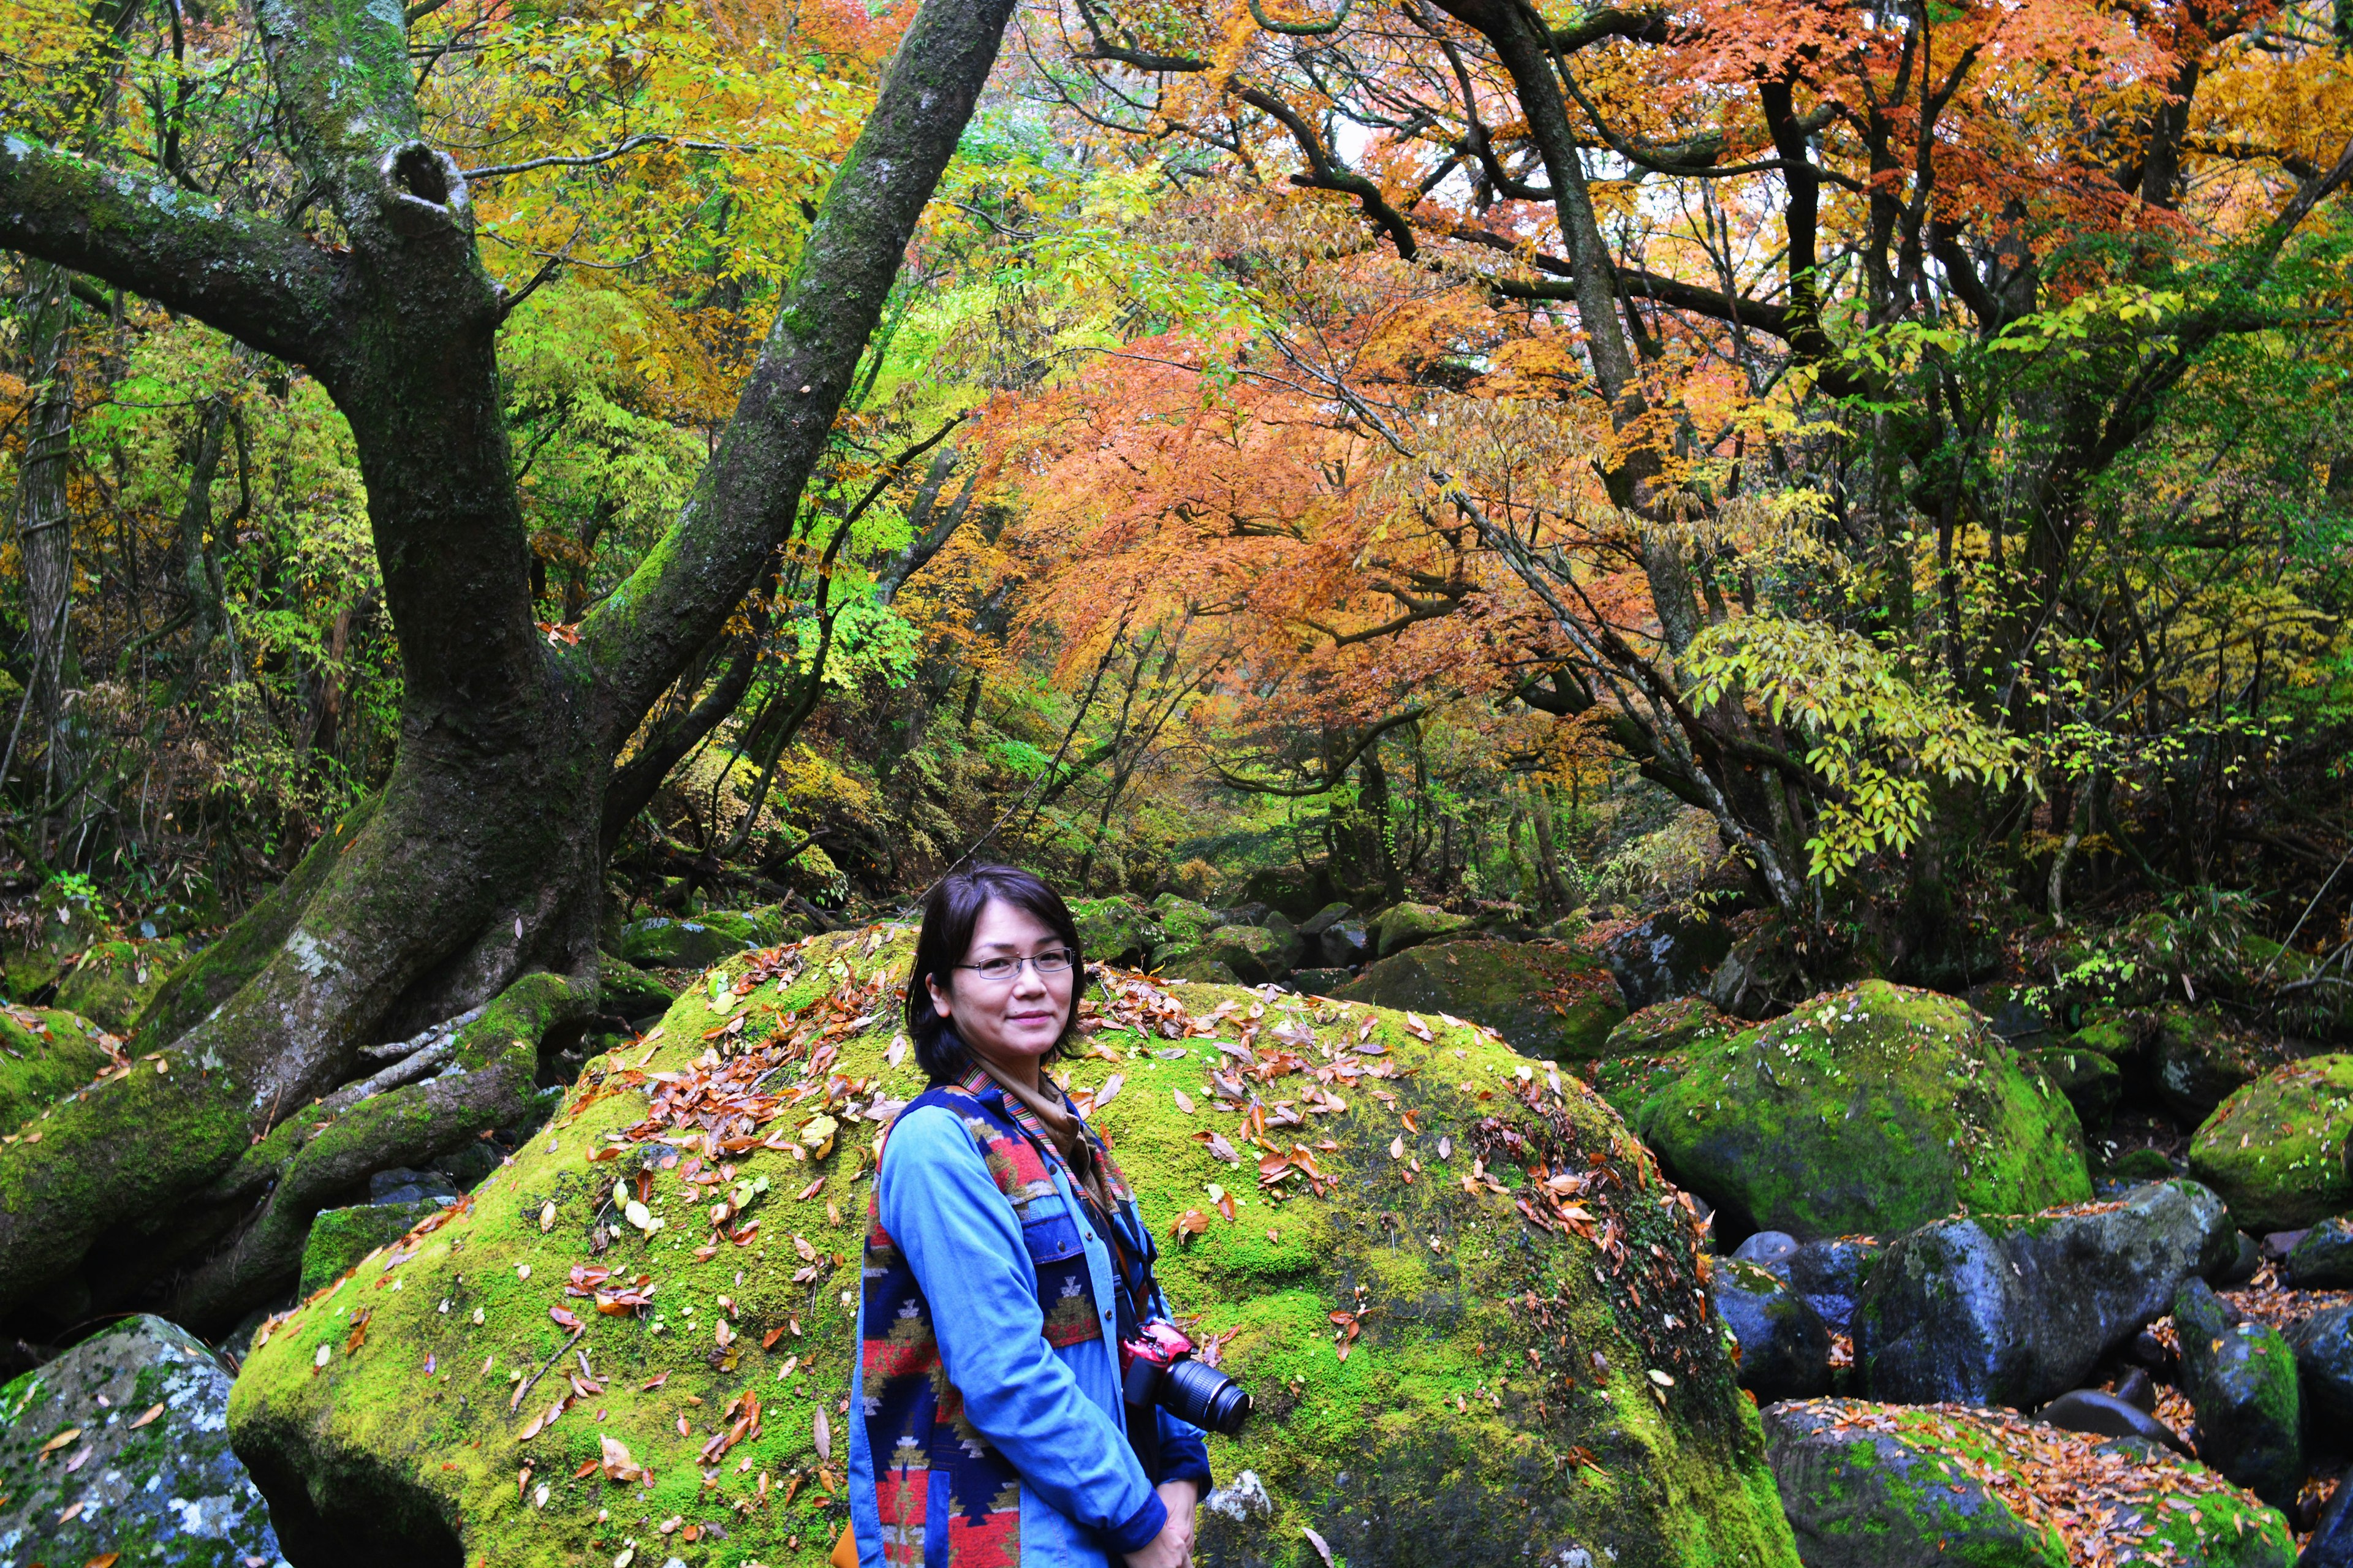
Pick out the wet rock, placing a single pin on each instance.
(2090, 1410)
(2241, 1378)
(1829, 1276)
(1767, 1248)
(1670, 955)
(2323, 1345)
(1319, 982)
(2242, 1267)
(112, 982)
(146, 1471)
(1784, 1349)
(1556, 1002)
(2322, 1259)
(2277, 1245)
(2200, 1059)
(1401, 926)
(2331, 1545)
(625, 989)
(1875, 1109)
(1334, 938)
(2015, 1311)
(2092, 1083)
(2017, 1012)
(1201, 971)
(340, 1238)
(2275, 1148)
(1875, 1486)
(401, 1186)
(1118, 931)
(2135, 1389)
(1374, 1453)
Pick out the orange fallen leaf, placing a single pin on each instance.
(146, 1416)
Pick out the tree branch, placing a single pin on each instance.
(253, 278)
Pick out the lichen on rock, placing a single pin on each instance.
(1514, 1367)
(1872, 1109)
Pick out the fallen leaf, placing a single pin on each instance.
(1317, 1541)
(1183, 1103)
(103, 1560)
(547, 1216)
(1397, 1147)
(1110, 1089)
(59, 1441)
(824, 1433)
(150, 1413)
(1192, 1222)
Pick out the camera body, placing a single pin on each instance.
(1159, 1368)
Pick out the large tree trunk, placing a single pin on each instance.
(43, 511)
(473, 878)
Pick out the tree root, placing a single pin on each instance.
(486, 1063)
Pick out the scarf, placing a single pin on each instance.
(1061, 1125)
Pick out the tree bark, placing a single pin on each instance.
(477, 864)
(43, 511)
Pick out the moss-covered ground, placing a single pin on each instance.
(1534, 1366)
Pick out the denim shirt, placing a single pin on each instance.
(1055, 1414)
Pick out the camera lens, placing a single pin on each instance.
(1205, 1397)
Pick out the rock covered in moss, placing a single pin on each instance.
(1877, 1486)
(1118, 931)
(1830, 1274)
(2200, 1059)
(1668, 954)
(2092, 1083)
(1685, 1022)
(1785, 1347)
(2323, 1345)
(2241, 1378)
(112, 982)
(2276, 1148)
(1526, 1376)
(64, 921)
(1252, 953)
(1401, 926)
(2015, 1309)
(340, 1238)
(118, 1451)
(1182, 920)
(2322, 1258)
(1871, 1109)
(1556, 1002)
(45, 1054)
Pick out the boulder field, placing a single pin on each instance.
(1869, 1110)
(1473, 1317)
(2275, 1150)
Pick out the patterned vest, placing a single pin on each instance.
(917, 1427)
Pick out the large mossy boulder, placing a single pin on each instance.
(112, 982)
(64, 923)
(2276, 1149)
(1499, 1391)
(1546, 1000)
(1182, 920)
(663, 942)
(2241, 1377)
(625, 989)
(45, 1054)
(1119, 930)
(1869, 1110)
(2093, 1083)
(1401, 926)
(1879, 1486)
(2016, 1309)
(118, 1452)
(1684, 1024)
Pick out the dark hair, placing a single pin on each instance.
(949, 916)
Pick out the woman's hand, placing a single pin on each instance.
(1173, 1547)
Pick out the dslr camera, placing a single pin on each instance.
(1159, 1368)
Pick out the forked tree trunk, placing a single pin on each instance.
(473, 878)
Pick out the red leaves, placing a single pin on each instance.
(743, 1414)
(1191, 1223)
(1216, 1145)
(565, 1320)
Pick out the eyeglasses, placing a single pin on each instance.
(1055, 961)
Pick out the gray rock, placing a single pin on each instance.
(2278, 1244)
(2323, 1345)
(1319, 982)
(400, 1185)
(2092, 1410)
(2322, 1259)
(2241, 1378)
(1666, 956)
(158, 1489)
(1325, 919)
(2242, 1267)
(1767, 1248)
(2135, 1390)
(1829, 1276)
(1242, 1500)
(1784, 1350)
(2331, 1545)
(2016, 1310)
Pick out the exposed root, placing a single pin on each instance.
(486, 1061)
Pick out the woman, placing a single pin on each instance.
(1005, 1261)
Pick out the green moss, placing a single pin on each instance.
(114, 981)
(1457, 1423)
(1871, 1109)
(340, 1238)
(1559, 1004)
(2275, 1150)
(45, 1054)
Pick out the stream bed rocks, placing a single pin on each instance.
(1469, 1309)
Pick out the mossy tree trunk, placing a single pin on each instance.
(478, 865)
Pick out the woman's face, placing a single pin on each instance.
(1015, 1021)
